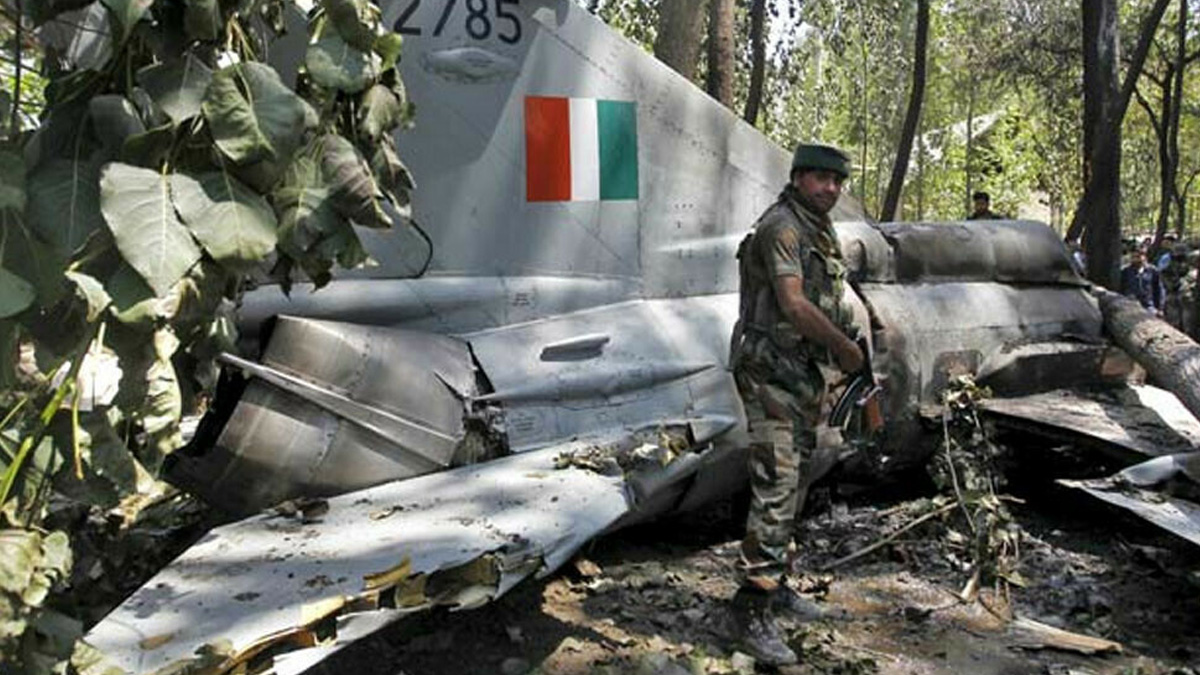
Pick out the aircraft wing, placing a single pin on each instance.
(266, 590)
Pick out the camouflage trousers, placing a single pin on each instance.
(785, 400)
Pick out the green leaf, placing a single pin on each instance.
(126, 14)
(12, 181)
(137, 208)
(394, 178)
(134, 302)
(202, 19)
(92, 293)
(307, 219)
(16, 294)
(388, 47)
(347, 17)
(379, 112)
(30, 258)
(252, 114)
(150, 149)
(114, 118)
(20, 553)
(179, 87)
(355, 193)
(64, 203)
(334, 64)
(56, 553)
(235, 224)
(163, 406)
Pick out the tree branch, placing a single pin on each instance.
(1148, 28)
(14, 122)
(1154, 122)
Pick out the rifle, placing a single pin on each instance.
(862, 394)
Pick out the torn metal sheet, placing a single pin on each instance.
(1152, 490)
(458, 538)
(1139, 421)
(1177, 516)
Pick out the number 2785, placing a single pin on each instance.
(482, 19)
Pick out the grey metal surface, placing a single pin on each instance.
(996, 250)
(334, 406)
(263, 580)
(653, 362)
(928, 333)
(440, 304)
(1143, 489)
(1140, 421)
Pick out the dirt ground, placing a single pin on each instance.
(651, 601)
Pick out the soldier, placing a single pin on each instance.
(1189, 297)
(792, 325)
(1174, 273)
(982, 207)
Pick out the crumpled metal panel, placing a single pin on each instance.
(927, 333)
(312, 420)
(626, 366)
(1134, 489)
(262, 580)
(1139, 421)
(995, 250)
(868, 255)
(421, 375)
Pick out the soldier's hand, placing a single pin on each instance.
(850, 357)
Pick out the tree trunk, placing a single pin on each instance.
(1166, 179)
(1102, 162)
(1176, 111)
(758, 63)
(967, 184)
(1098, 216)
(720, 51)
(864, 119)
(915, 96)
(1170, 357)
(679, 36)
(920, 173)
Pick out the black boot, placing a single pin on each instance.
(787, 603)
(757, 633)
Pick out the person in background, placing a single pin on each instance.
(1078, 258)
(982, 203)
(1143, 282)
(1173, 276)
(1169, 242)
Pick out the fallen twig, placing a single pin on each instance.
(888, 539)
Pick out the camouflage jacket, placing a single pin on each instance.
(788, 239)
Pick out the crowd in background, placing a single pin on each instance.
(1163, 281)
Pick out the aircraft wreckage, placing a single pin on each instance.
(560, 369)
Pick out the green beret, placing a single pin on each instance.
(814, 156)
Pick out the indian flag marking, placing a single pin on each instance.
(580, 149)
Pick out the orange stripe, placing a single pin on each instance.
(547, 149)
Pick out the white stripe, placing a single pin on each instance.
(585, 151)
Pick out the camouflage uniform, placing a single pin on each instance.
(1189, 319)
(1176, 308)
(780, 375)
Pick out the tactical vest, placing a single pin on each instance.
(760, 316)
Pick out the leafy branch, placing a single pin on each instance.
(169, 163)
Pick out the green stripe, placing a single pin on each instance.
(617, 127)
